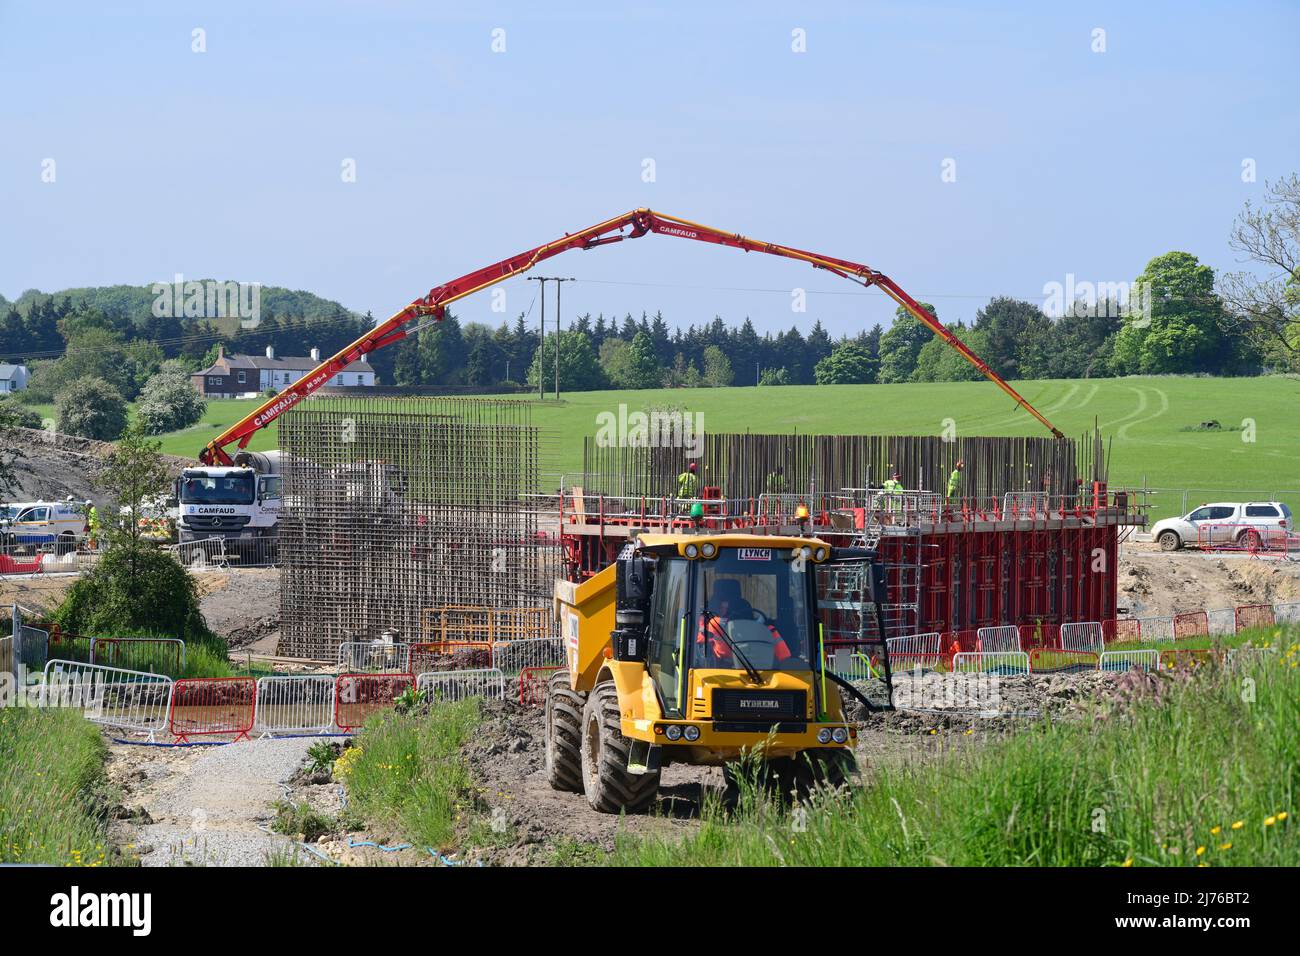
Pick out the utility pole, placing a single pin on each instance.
(543, 280)
(541, 338)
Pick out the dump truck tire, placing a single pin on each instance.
(564, 707)
(609, 786)
(824, 768)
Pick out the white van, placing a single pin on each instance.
(35, 523)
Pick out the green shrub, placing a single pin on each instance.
(168, 402)
(135, 591)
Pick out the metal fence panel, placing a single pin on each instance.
(1157, 628)
(112, 696)
(374, 657)
(213, 705)
(33, 648)
(1004, 663)
(357, 696)
(1221, 622)
(488, 682)
(1288, 613)
(1254, 615)
(1147, 660)
(297, 703)
(915, 650)
(449, 656)
(1004, 639)
(139, 653)
(1191, 624)
(1082, 636)
(533, 682)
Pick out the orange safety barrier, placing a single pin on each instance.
(212, 705)
(1191, 624)
(1051, 660)
(449, 655)
(1039, 635)
(532, 684)
(1247, 616)
(357, 696)
(1125, 630)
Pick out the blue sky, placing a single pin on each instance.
(228, 163)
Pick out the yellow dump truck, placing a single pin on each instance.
(688, 649)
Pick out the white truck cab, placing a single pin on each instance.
(239, 502)
(34, 523)
(1223, 523)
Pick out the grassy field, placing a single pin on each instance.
(1196, 772)
(51, 768)
(1149, 422)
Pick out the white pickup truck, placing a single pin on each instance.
(1248, 524)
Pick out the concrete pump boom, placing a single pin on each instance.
(637, 223)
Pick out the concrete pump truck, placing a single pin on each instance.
(692, 648)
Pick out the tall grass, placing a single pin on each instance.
(51, 774)
(405, 772)
(1203, 770)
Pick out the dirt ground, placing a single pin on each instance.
(1154, 583)
(56, 466)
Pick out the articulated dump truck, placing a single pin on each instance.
(692, 648)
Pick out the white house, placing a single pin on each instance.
(242, 376)
(13, 378)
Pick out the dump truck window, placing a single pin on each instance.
(760, 598)
(667, 623)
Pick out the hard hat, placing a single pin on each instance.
(895, 475)
(691, 466)
(961, 463)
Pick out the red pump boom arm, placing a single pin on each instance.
(630, 225)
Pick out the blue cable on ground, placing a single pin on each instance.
(197, 743)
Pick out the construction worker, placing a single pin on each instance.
(954, 480)
(726, 604)
(92, 525)
(775, 483)
(688, 482)
(893, 487)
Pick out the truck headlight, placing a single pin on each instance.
(821, 554)
(824, 735)
(840, 735)
(692, 551)
(691, 733)
(708, 550)
(673, 732)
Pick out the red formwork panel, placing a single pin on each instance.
(1247, 616)
(1191, 624)
(212, 705)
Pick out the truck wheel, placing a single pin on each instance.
(609, 786)
(1250, 540)
(1169, 541)
(564, 733)
(824, 768)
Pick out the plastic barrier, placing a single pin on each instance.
(112, 696)
(513, 657)
(374, 657)
(1004, 638)
(1039, 635)
(357, 696)
(139, 653)
(1004, 663)
(1051, 660)
(487, 682)
(1124, 630)
(299, 703)
(915, 650)
(1253, 615)
(449, 655)
(532, 684)
(1147, 660)
(1191, 624)
(1082, 636)
(202, 706)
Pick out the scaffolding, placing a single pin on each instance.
(393, 506)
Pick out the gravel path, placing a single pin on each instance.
(206, 803)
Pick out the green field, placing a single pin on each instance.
(1146, 419)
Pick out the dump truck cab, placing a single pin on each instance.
(692, 648)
